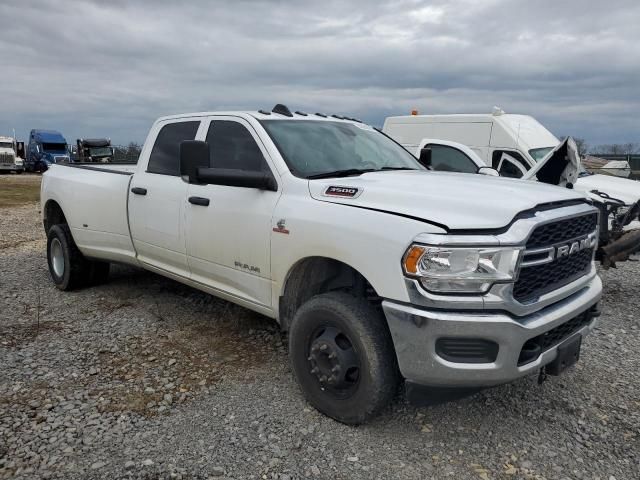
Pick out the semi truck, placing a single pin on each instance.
(45, 148)
(9, 161)
(381, 271)
(94, 150)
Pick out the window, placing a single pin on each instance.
(231, 145)
(449, 159)
(509, 169)
(539, 153)
(165, 156)
(54, 147)
(312, 148)
(497, 155)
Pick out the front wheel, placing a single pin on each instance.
(343, 357)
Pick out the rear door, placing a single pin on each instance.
(228, 239)
(158, 197)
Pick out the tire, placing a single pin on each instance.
(356, 334)
(68, 267)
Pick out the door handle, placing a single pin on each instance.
(199, 201)
(139, 190)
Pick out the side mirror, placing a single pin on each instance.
(425, 157)
(237, 178)
(492, 172)
(194, 154)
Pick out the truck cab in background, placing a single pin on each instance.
(94, 150)
(45, 148)
(9, 161)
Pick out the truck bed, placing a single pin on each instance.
(94, 201)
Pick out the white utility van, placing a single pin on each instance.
(489, 135)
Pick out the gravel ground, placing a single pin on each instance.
(145, 378)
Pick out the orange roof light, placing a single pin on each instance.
(414, 112)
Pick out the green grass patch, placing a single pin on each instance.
(14, 192)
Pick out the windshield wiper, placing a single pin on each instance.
(399, 168)
(348, 172)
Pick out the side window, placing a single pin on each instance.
(450, 159)
(497, 155)
(509, 169)
(165, 155)
(231, 145)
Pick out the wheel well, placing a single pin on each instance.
(53, 215)
(315, 275)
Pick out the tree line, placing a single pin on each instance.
(584, 148)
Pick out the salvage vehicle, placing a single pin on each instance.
(45, 148)
(9, 161)
(94, 150)
(518, 146)
(380, 270)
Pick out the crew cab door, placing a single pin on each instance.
(157, 199)
(229, 228)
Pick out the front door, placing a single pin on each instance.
(228, 240)
(157, 200)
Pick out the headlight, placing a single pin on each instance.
(460, 269)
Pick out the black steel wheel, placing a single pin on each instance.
(342, 356)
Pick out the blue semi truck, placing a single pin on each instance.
(45, 148)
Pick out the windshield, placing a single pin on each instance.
(539, 153)
(100, 151)
(311, 148)
(6, 145)
(54, 147)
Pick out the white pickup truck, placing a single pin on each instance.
(380, 270)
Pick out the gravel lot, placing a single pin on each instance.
(145, 378)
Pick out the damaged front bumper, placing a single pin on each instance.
(619, 236)
(480, 349)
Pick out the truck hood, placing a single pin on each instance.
(457, 201)
(560, 166)
(621, 188)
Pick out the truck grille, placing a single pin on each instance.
(6, 158)
(536, 280)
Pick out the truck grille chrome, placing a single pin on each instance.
(7, 158)
(556, 254)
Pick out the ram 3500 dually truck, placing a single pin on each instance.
(379, 269)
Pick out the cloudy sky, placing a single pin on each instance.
(110, 68)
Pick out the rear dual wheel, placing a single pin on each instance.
(343, 357)
(70, 269)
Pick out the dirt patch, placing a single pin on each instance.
(19, 189)
(16, 335)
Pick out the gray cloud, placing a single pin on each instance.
(97, 68)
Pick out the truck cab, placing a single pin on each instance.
(94, 150)
(46, 147)
(9, 161)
